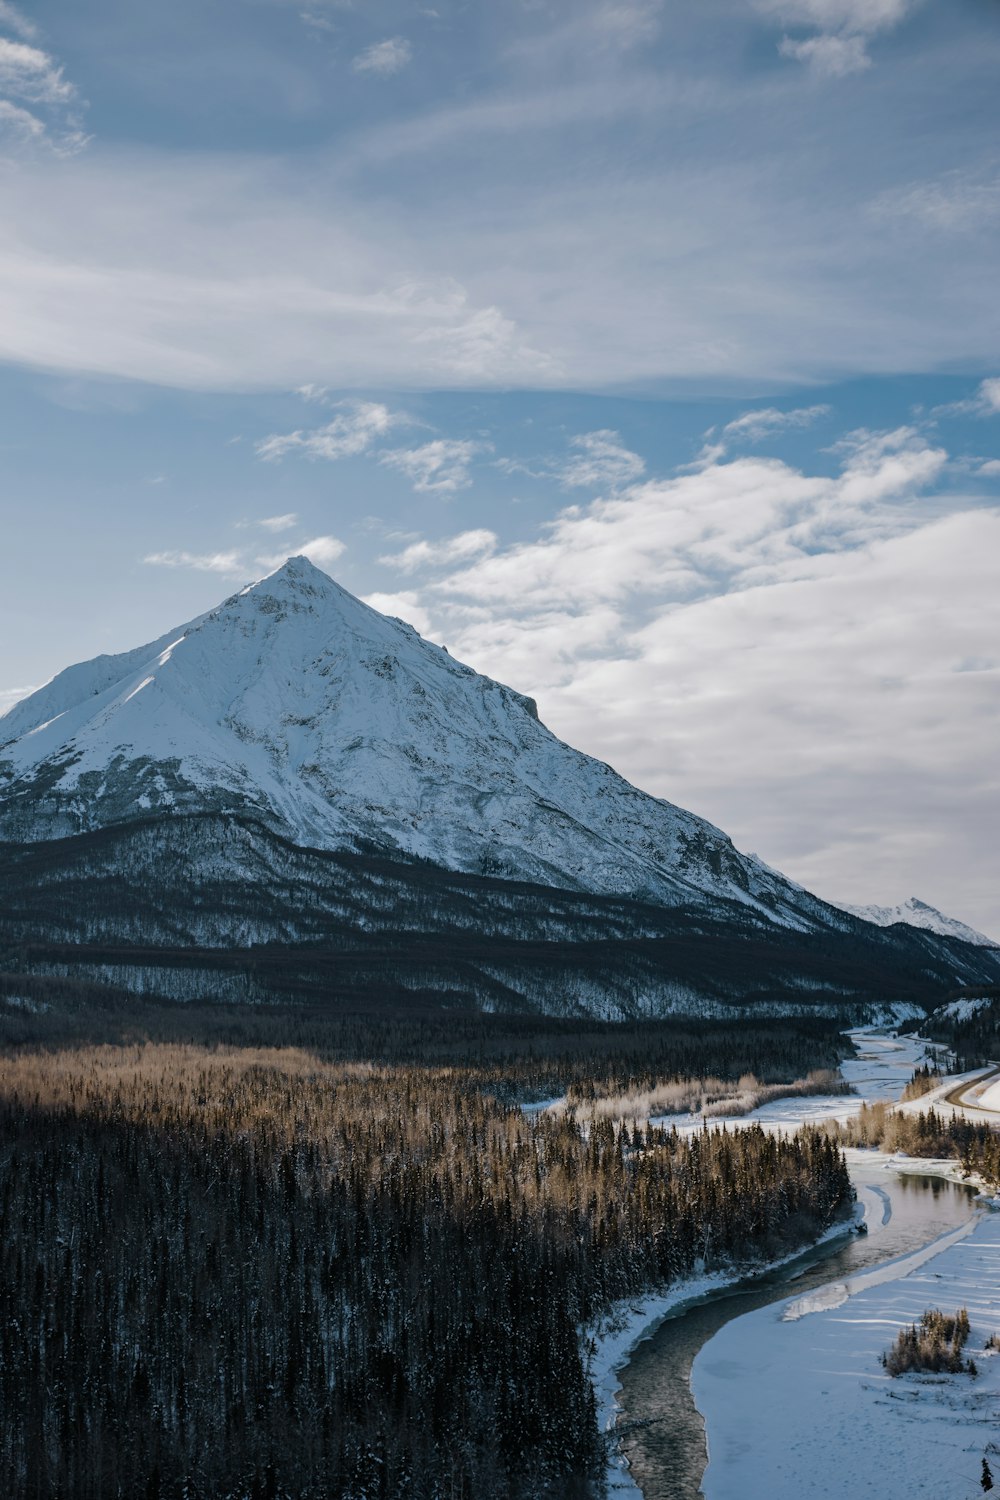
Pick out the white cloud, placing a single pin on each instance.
(844, 27)
(30, 76)
(724, 526)
(475, 343)
(350, 433)
(29, 73)
(755, 642)
(404, 606)
(958, 202)
(202, 562)
(825, 719)
(829, 56)
(17, 21)
(460, 548)
(627, 23)
(384, 58)
(322, 550)
(989, 396)
(20, 122)
(317, 22)
(441, 466)
(990, 468)
(752, 426)
(601, 459)
(985, 402)
(436, 252)
(271, 523)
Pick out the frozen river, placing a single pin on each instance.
(759, 1352)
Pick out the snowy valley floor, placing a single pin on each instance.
(796, 1402)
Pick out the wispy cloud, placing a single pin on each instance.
(627, 23)
(15, 20)
(350, 433)
(844, 29)
(383, 59)
(725, 526)
(754, 427)
(29, 76)
(244, 563)
(454, 549)
(202, 562)
(600, 459)
(29, 73)
(271, 523)
(984, 402)
(441, 466)
(957, 202)
(19, 121)
(321, 550)
(988, 396)
(829, 56)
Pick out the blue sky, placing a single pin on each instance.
(645, 353)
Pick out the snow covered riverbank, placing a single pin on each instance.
(635, 1320)
(794, 1392)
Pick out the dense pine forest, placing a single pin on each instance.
(344, 1261)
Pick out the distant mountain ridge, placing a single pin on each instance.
(294, 770)
(917, 913)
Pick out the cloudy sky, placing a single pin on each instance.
(647, 354)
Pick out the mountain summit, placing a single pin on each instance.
(342, 728)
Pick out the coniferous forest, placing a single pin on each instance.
(350, 1264)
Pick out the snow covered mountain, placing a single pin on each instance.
(917, 913)
(341, 728)
(296, 797)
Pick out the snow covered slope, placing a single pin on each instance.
(341, 728)
(916, 913)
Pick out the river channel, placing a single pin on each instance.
(660, 1428)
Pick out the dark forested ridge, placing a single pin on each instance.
(971, 1030)
(235, 1268)
(154, 907)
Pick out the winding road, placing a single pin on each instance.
(974, 1094)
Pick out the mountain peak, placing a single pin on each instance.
(917, 913)
(340, 727)
(298, 568)
(297, 574)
